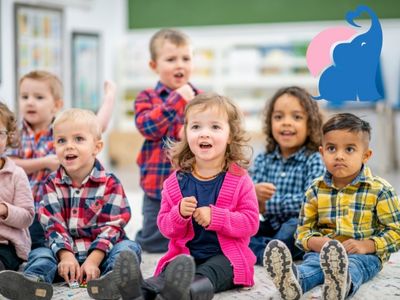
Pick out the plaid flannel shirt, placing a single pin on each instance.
(291, 177)
(367, 208)
(28, 149)
(159, 117)
(92, 216)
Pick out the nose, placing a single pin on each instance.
(339, 155)
(204, 133)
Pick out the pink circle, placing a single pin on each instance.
(318, 54)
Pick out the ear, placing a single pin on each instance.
(59, 103)
(153, 65)
(99, 144)
(321, 150)
(367, 155)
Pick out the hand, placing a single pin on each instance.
(353, 246)
(3, 211)
(315, 243)
(109, 91)
(68, 268)
(187, 206)
(202, 215)
(89, 269)
(52, 162)
(186, 92)
(264, 192)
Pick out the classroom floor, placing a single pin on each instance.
(385, 286)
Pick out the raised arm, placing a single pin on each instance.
(106, 109)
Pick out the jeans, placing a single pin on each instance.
(265, 234)
(43, 263)
(150, 237)
(362, 267)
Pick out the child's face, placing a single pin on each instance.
(344, 152)
(289, 124)
(3, 137)
(173, 64)
(208, 135)
(37, 104)
(76, 148)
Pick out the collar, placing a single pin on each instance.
(26, 127)
(9, 165)
(297, 156)
(162, 89)
(98, 174)
(364, 176)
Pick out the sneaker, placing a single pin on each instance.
(16, 286)
(280, 269)
(335, 265)
(179, 275)
(122, 281)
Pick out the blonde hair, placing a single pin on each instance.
(173, 36)
(55, 84)
(9, 120)
(80, 115)
(237, 151)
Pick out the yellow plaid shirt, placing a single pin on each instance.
(368, 208)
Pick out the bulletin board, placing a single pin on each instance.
(178, 13)
(38, 39)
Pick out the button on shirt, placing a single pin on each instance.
(291, 177)
(82, 219)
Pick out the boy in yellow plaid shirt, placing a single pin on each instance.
(349, 223)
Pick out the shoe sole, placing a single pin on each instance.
(16, 286)
(103, 288)
(334, 264)
(179, 274)
(127, 276)
(278, 263)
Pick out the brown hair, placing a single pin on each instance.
(7, 117)
(173, 36)
(314, 120)
(53, 81)
(349, 122)
(237, 151)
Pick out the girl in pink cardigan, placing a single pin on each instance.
(208, 211)
(16, 203)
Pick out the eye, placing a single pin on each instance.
(194, 127)
(60, 141)
(298, 117)
(171, 59)
(216, 127)
(350, 149)
(24, 97)
(39, 97)
(277, 117)
(331, 149)
(187, 58)
(79, 138)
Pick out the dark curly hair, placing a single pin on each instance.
(7, 117)
(314, 120)
(237, 151)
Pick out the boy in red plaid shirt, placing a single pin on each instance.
(83, 212)
(159, 117)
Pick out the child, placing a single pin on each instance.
(283, 173)
(40, 98)
(159, 117)
(16, 203)
(83, 212)
(349, 224)
(208, 210)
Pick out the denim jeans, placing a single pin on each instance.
(43, 263)
(361, 269)
(265, 234)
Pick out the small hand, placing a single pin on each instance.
(52, 162)
(186, 92)
(264, 192)
(68, 268)
(353, 246)
(90, 270)
(187, 206)
(202, 215)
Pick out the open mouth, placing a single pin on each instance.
(70, 157)
(179, 75)
(287, 133)
(205, 146)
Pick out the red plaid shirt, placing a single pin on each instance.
(159, 116)
(34, 146)
(82, 219)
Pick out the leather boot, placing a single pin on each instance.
(201, 288)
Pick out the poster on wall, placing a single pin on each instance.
(86, 84)
(38, 39)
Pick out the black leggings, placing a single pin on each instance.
(9, 257)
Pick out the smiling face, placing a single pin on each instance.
(37, 104)
(173, 64)
(208, 135)
(289, 124)
(76, 148)
(344, 152)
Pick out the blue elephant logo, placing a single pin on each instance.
(354, 74)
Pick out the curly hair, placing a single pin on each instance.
(314, 119)
(237, 151)
(9, 120)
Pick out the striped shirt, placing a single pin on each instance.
(159, 116)
(92, 216)
(291, 177)
(367, 208)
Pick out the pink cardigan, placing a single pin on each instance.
(16, 193)
(234, 218)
